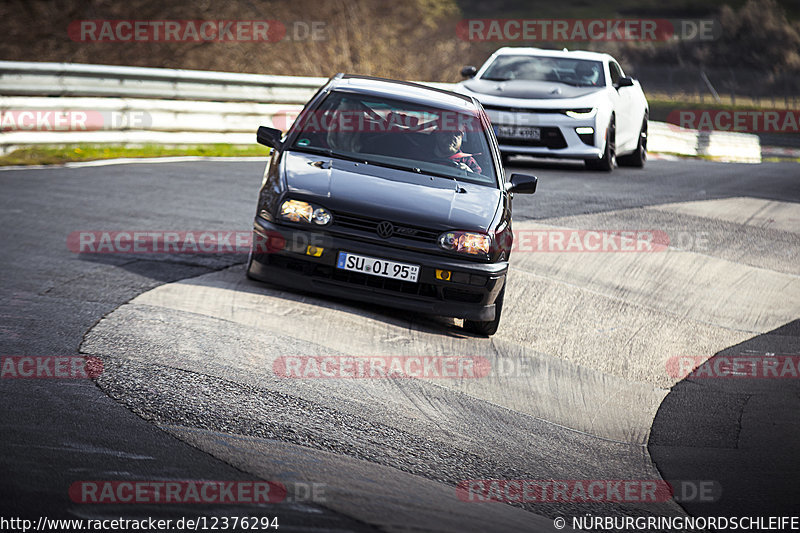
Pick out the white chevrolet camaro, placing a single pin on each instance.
(563, 104)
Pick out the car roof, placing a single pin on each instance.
(403, 90)
(570, 54)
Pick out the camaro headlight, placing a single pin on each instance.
(466, 242)
(297, 211)
(587, 112)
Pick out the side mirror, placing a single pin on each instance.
(627, 81)
(269, 136)
(469, 71)
(522, 184)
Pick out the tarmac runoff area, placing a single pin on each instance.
(578, 368)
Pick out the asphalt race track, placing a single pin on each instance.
(582, 383)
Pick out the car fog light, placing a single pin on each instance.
(443, 275)
(314, 251)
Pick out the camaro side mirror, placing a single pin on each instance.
(627, 81)
(469, 71)
(522, 183)
(269, 136)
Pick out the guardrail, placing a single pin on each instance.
(135, 106)
(71, 79)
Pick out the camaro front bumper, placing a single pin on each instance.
(559, 135)
(570, 152)
(470, 293)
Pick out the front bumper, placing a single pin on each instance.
(559, 136)
(570, 152)
(470, 294)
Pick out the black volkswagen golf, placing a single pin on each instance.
(392, 193)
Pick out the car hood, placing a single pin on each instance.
(541, 90)
(389, 194)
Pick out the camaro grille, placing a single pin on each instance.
(511, 109)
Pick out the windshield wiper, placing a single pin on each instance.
(417, 170)
(329, 152)
(490, 78)
(576, 84)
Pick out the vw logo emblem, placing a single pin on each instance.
(385, 229)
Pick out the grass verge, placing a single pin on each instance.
(56, 155)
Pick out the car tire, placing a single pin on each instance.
(638, 158)
(609, 159)
(250, 263)
(489, 327)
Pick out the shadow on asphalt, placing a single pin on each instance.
(739, 433)
(169, 268)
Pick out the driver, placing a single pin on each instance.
(447, 150)
(588, 73)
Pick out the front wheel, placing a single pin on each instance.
(250, 263)
(609, 159)
(488, 327)
(638, 158)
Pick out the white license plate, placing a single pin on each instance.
(514, 132)
(377, 267)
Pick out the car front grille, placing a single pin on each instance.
(509, 109)
(361, 223)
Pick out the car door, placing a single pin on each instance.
(627, 133)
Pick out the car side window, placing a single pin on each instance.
(616, 72)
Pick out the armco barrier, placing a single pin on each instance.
(189, 107)
(730, 146)
(71, 79)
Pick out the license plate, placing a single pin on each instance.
(377, 267)
(514, 132)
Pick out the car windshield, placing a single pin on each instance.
(579, 72)
(399, 134)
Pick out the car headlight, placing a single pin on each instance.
(297, 211)
(466, 242)
(587, 112)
